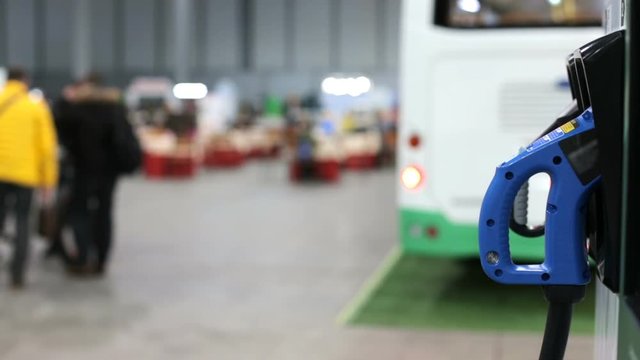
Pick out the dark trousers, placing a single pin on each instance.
(56, 245)
(20, 197)
(91, 218)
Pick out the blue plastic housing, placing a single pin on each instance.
(566, 261)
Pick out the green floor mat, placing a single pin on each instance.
(412, 291)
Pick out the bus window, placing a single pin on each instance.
(487, 14)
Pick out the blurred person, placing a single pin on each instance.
(28, 160)
(292, 110)
(60, 207)
(94, 129)
(305, 150)
(246, 115)
(61, 111)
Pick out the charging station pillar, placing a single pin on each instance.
(618, 314)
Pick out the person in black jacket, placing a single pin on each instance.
(91, 121)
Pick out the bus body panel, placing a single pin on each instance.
(474, 97)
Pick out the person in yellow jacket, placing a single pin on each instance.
(28, 161)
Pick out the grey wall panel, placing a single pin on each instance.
(312, 38)
(291, 44)
(102, 35)
(184, 43)
(223, 38)
(285, 84)
(139, 35)
(58, 28)
(3, 32)
(269, 34)
(21, 33)
(357, 41)
(168, 29)
(167, 33)
(392, 33)
(195, 29)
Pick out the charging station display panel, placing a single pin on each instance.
(631, 209)
(629, 318)
(507, 13)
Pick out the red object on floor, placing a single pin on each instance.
(223, 158)
(270, 153)
(360, 162)
(328, 171)
(257, 153)
(275, 152)
(155, 166)
(181, 167)
(294, 171)
(164, 166)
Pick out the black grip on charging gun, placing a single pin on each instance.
(524, 230)
(518, 221)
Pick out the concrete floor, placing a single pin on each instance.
(235, 265)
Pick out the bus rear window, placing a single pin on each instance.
(487, 14)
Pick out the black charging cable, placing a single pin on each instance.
(561, 299)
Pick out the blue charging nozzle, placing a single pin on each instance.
(568, 155)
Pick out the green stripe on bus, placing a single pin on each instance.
(450, 239)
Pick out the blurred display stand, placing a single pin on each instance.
(166, 155)
(320, 134)
(340, 130)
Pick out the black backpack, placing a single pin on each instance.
(126, 147)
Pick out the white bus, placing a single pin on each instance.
(479, 79)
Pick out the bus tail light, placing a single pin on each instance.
(414, 141)
(412, 177)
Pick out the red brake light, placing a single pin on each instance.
(414, 141)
